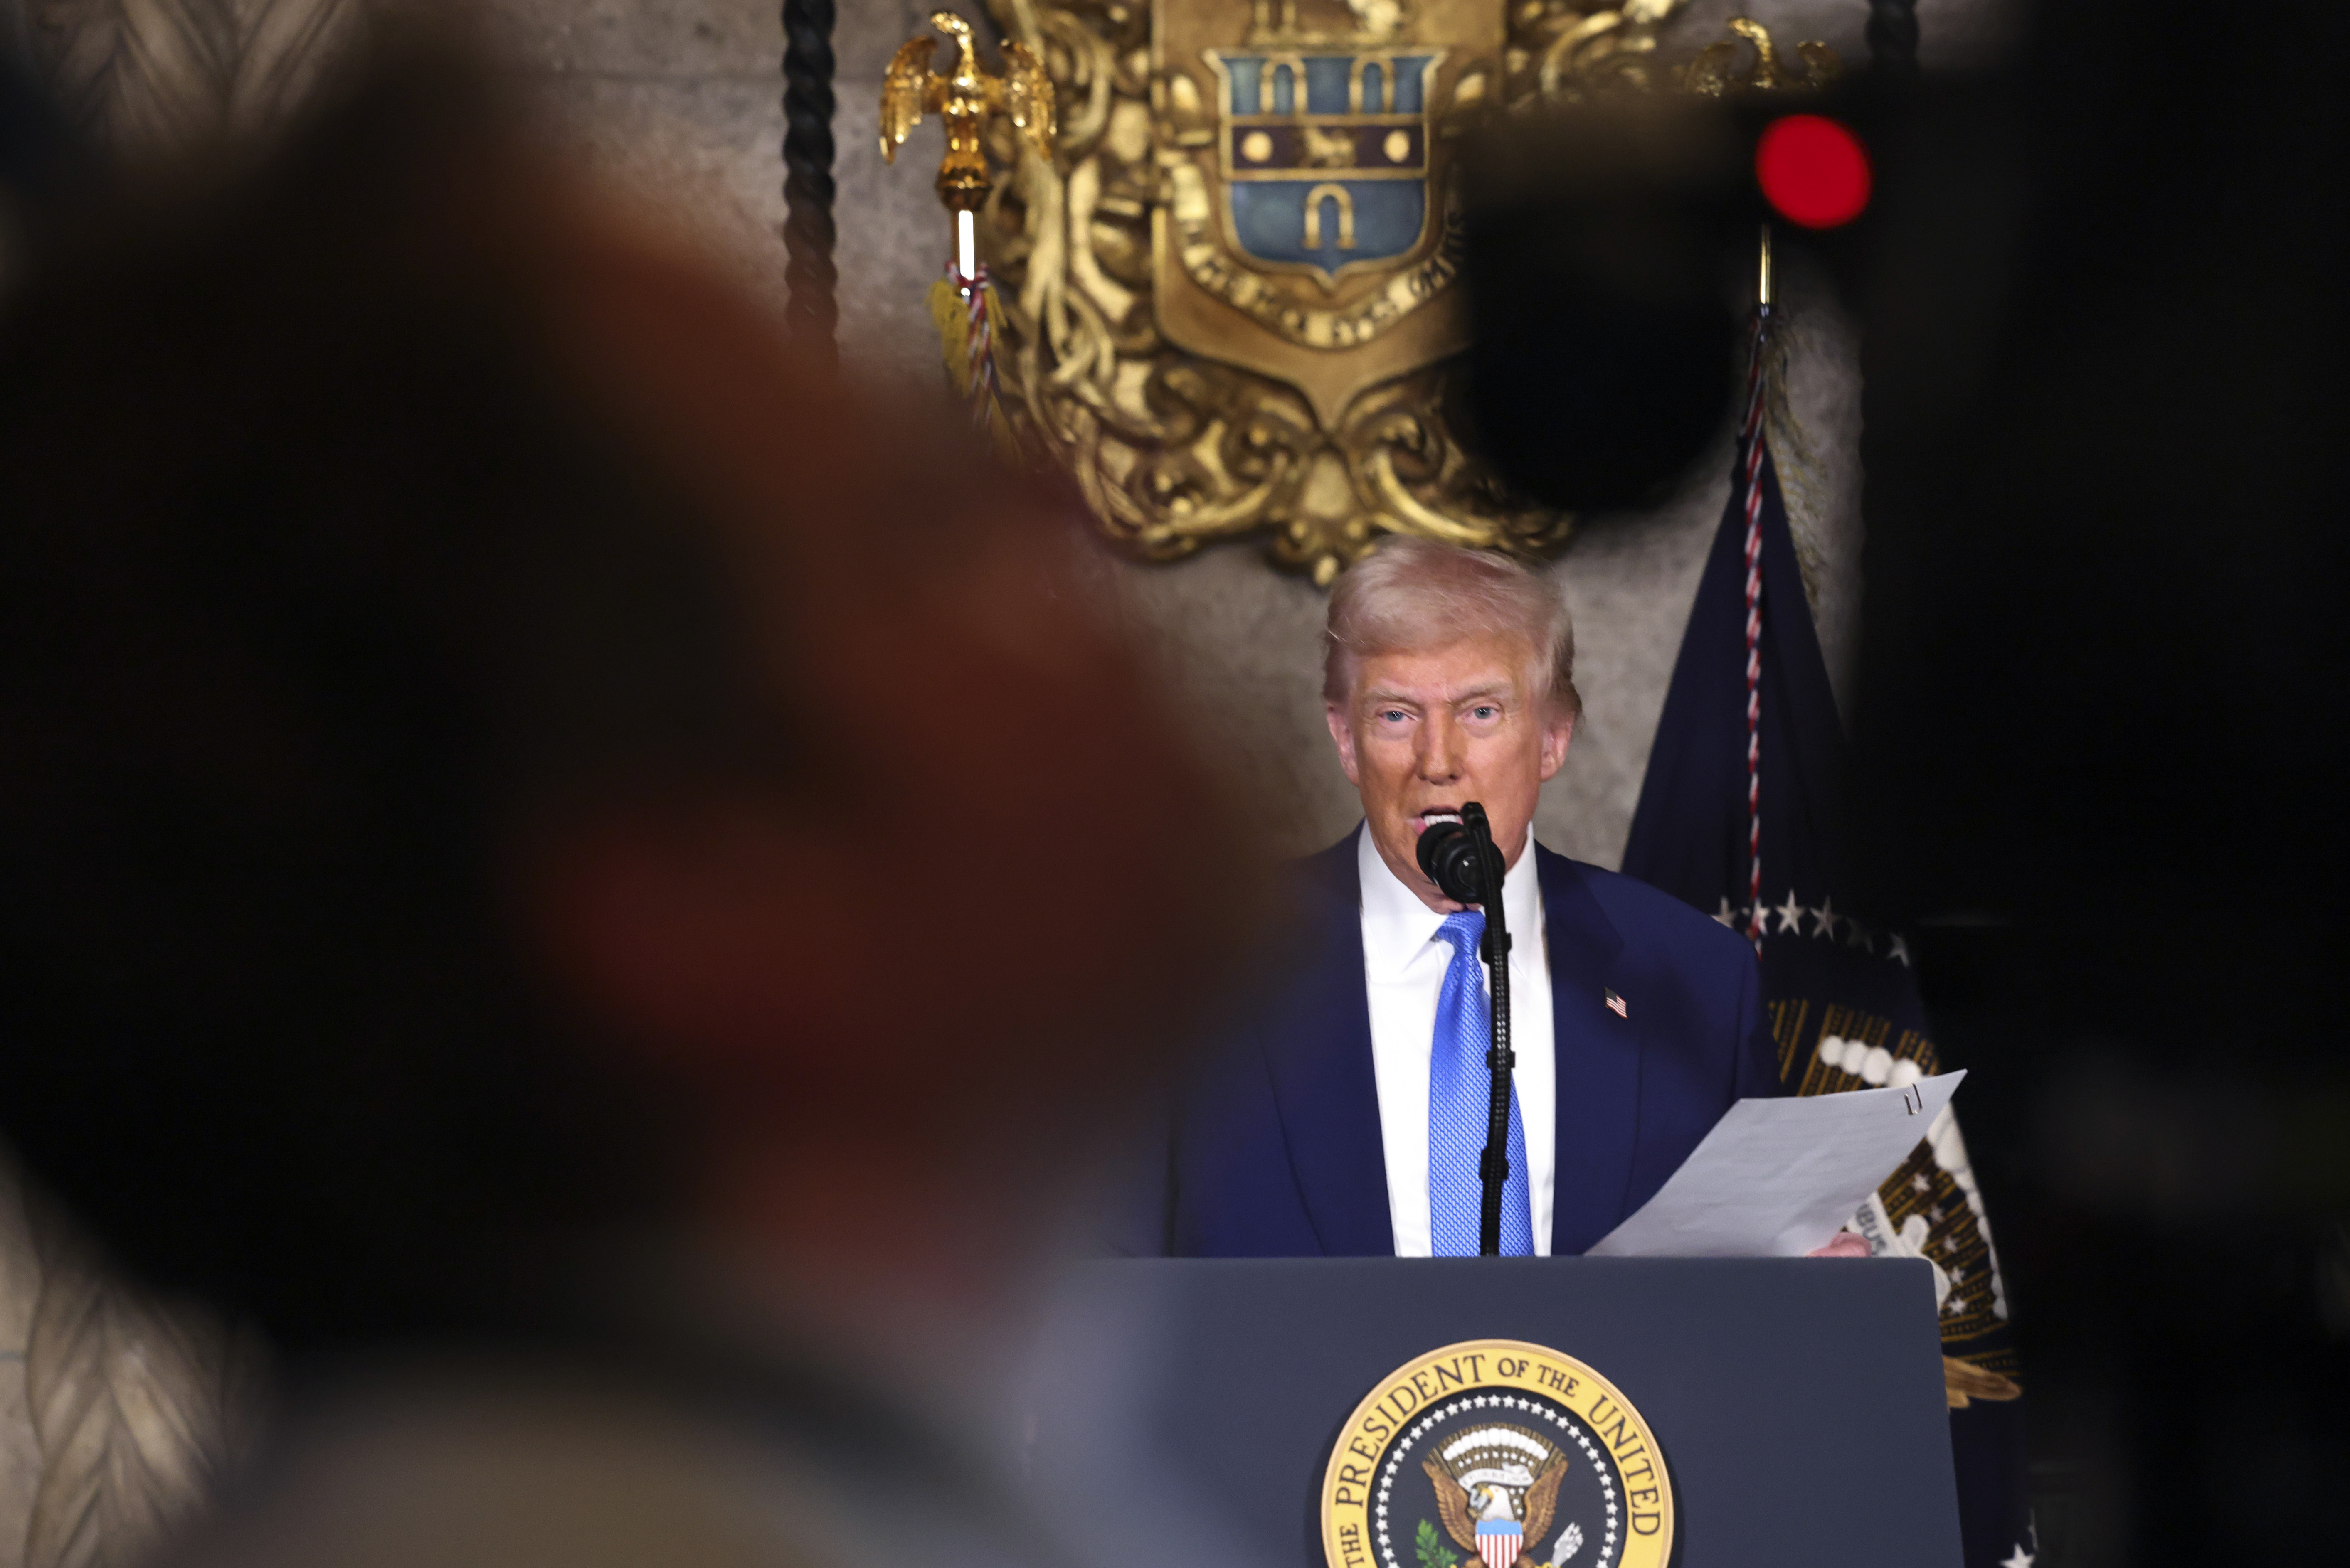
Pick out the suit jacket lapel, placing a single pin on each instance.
(1323, 1084)
(1598, 1062)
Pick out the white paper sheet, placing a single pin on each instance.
(1775, 1178)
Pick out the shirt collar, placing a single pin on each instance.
(1398, 928)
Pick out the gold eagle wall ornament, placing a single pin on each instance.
(1229, 296)
(964, 100)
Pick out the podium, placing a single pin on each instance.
(1796, 1407)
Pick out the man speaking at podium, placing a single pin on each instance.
(1347, 1115)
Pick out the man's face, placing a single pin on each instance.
(1433, 729)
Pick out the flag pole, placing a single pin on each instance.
(966, 99)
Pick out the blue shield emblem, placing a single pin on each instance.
(1305, 225)
(1324, 155)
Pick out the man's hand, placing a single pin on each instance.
(1843, 1244)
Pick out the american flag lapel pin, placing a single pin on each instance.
(1616, 1006)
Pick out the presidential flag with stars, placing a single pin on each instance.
(1741, 814)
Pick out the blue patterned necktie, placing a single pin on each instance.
(1460, 1097)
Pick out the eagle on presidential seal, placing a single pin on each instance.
(1496, 1489)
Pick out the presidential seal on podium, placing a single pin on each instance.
(1499, 1450)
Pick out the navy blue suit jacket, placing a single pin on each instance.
(1276, 1150)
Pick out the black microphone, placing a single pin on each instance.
(1450, 856)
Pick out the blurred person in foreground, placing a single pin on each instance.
(595, 886)
(1349, 1114)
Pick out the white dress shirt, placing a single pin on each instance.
(1403, 970)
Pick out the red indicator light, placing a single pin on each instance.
(1813, 171)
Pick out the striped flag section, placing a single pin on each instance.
(1498, 1540)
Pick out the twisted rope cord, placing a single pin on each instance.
(135, 71)
(979, 341)
(1752, 438)
(160, 72)
(1892, 36)
(135, 1408)
(812, 311)
(281, 48)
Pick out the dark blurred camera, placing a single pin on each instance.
(1611, 264)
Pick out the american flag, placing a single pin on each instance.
(1742, 815)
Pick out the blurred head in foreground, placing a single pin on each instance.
(492, 751)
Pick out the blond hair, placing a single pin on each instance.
(1411, 593)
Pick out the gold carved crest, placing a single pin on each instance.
(1230, 298)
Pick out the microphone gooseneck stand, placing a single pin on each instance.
(1460, 859)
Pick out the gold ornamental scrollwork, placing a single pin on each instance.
(1229, 304)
